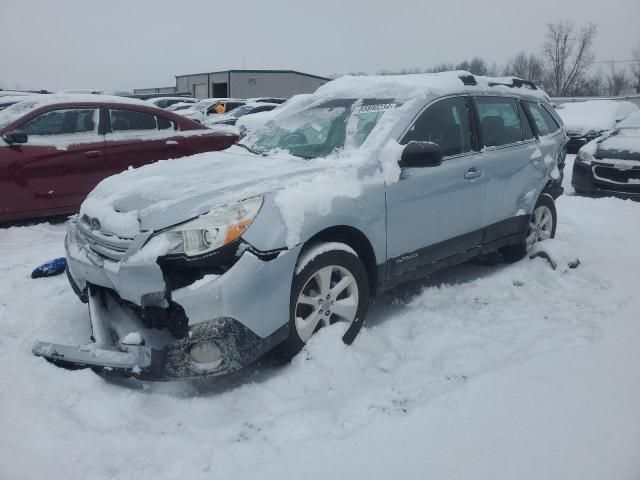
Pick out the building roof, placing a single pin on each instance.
(295, 72)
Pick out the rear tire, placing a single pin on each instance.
(332, 287)
(541, 226)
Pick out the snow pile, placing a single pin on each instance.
(510, 371)
(593, 116)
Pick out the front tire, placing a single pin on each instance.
(541, 226)
(331, 287)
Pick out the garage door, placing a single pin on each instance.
(200, 90)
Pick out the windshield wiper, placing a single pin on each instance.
(246, 147)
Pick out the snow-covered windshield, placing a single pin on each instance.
(241, 110)
(632, 122)
(321, 130)
(15, 111)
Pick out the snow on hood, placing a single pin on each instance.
(625, 140)
(162, 194)
(592, 116)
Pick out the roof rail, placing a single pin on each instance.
(516, 83)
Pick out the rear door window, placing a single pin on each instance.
(499, 121)
(63, 122)
(446, 123)
(131, 120)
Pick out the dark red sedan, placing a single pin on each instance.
(54, 149)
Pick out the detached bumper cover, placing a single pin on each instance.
(135, 359)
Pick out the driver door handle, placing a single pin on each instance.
(92, 154)
(472, 173)
(172, 143)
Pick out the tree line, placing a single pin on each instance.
(565, 66)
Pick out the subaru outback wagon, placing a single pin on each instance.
(201, 265)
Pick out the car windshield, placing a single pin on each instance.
(321, 130)
(632, 122)
(242, 110)
(17, 110)
(202, 105)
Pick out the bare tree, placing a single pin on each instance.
(593, 85)
(618, 82)
(567, 56)
(527, 67)
(441, 67)
(476, 65)
(635, 68)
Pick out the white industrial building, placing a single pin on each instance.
(248, 83)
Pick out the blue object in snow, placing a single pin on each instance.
(51, 268)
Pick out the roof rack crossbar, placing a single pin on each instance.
(516, 83)
(468, 79)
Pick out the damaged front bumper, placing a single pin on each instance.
(186, 326)
(122, 345)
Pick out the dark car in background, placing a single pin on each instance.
(610, 165)
(54, 149)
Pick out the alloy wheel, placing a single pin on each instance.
(540, 225)
(329, 296)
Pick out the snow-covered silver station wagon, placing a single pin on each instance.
(199, 266)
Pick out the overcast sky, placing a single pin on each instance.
(121, 45)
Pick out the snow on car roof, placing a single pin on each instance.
(405, 87)
(32, 102)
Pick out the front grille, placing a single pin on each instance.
(616, 175)
(103, 244)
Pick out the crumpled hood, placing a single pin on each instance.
(168, 192)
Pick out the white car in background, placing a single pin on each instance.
(82, 91)
(234, 115)
(585, 121)
(8, 100)
(166, 102)
(14, 93)
(179, 106)
(205, 107)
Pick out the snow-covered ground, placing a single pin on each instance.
(480, 372)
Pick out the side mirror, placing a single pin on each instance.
(421, 154)
(16, 137)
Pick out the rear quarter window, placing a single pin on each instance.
(543, 120)
(166, 124)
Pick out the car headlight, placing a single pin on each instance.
(212, 230)
(585, 157)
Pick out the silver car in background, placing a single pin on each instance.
(199, 266)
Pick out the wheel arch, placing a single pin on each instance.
(355, 239)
